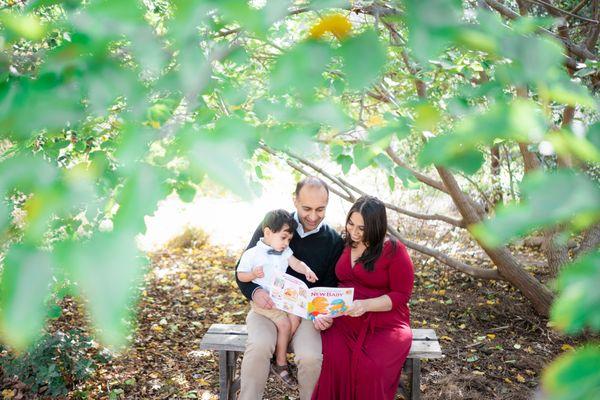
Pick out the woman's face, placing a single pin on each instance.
(355, 227)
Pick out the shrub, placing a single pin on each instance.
(56, 363)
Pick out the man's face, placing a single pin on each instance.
(310, 204)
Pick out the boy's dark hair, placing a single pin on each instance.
(275, 220)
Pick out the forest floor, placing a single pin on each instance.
(495, 346)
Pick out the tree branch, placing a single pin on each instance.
(581, 52)
(481, 273)
(558, 11)
(431, 217)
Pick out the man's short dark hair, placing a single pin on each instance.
(276, 220)
(314, 181)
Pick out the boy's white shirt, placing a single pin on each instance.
(258, 256)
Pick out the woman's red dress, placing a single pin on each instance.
(363, 356)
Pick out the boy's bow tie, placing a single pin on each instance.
(273, 251)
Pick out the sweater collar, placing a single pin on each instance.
(300, 228)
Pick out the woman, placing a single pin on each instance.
(363, 351)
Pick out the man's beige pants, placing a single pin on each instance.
(262, 336)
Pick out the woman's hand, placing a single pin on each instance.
(322, 322)
(358, 308)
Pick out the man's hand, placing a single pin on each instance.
(322, 322)
(262, 299)
(258, 272)
(358, 308)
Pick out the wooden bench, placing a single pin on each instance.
(230, 342)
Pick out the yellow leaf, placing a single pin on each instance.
(448, 338)
(8, 393)
(566, 347)
(491, 302)
(507, 380)
(491, 336)
(441, 292)
(520, 378)
(462, 326)
(336, 24)
(374, 120)
(156, 328)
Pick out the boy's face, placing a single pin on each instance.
(278, 240)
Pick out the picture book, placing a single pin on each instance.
(292, 295)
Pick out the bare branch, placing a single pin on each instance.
(579, 51)
(558, 11)
(460, 266)
(431, 217)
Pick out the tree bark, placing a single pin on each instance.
(497, 195)
(508, 266)
(557, 254)
(590, 241)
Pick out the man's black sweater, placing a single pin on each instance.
(320, 251)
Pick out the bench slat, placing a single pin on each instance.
(237, 342)
(230, 329)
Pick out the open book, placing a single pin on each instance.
(292, 295)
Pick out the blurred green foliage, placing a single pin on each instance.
(108, 106)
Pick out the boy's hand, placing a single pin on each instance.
(310, 275)
(258, 272)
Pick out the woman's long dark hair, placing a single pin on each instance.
(375, 217)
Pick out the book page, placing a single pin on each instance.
(290, 294)
(332, 302)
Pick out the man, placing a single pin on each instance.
(319, 246)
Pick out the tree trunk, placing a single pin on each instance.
(557, 254)
(591, 239)
(508, 267)
(497, 196)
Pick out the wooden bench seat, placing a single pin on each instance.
(230, 341)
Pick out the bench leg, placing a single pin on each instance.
(227, 361)
(415, 384)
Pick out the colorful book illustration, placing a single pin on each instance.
(292, 295)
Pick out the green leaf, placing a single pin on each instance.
(24, 286)
(391, 183)
(108, 284)
(575, 375)
(345, 161)
(219, 153)
(300, 69)
(560, 197)
(432, 25)
(362, 71)
(54, 311)
(186, 192)
(25, 26)
(578, 303)
(364, 155)
(139, 196)
(449, 151)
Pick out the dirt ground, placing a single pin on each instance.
(495, 346)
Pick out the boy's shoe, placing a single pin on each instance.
(282, 372)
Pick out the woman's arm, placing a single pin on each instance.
(401, 278)
(377, 304)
